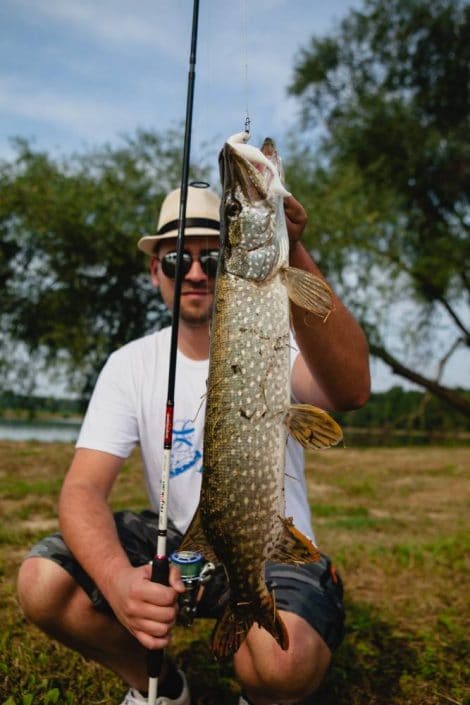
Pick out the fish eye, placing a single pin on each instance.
(232, 209)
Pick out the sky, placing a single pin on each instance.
(75, 74)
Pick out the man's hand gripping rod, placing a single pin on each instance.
(160, 564)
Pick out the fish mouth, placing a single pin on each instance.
(235, 171)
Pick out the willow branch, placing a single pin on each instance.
(450, 396)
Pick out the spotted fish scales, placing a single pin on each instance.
(240, 520)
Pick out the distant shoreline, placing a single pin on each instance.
(37, 416)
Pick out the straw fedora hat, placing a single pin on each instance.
(202, 216)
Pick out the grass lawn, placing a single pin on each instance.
(394, 520)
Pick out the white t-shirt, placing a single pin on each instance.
(127, 407)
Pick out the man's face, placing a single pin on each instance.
(197, 288)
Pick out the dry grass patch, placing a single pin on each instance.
(396, 523)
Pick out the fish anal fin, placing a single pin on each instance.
(312, 427)
(195, 539)
(308, 291)
(238, 618)
(293, 546)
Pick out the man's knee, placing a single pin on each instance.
(44, 589)
(286, 676)
(294, 676)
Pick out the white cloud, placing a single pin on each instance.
(117, 22)
(86, 116)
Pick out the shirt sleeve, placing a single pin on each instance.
(294, 349)
(110, 423)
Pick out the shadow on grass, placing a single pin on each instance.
(370, 663)
(211, 681)
(367, 668)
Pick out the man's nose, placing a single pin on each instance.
(195, 271)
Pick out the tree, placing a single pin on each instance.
(74, 287)
(388, 190)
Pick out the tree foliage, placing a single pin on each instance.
(407, 410)
(74, 287)
(389, 189)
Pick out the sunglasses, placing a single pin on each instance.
(207, 259)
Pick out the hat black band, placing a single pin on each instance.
(190, 223)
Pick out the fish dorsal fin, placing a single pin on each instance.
(312, 427)
(293, 546)
(308, 291)
(195, 539)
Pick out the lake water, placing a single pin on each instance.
(39, 431)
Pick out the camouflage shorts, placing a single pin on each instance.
(314, 591)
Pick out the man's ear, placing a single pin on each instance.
(154, 271)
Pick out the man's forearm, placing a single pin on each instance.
(334, 350)
(88, 528)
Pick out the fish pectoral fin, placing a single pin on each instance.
(308, 291)
(236, 621)
(312, 427)
(293, 546)
(195, 540)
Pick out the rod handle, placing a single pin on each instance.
(160, 574)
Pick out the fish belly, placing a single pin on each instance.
(242, 493)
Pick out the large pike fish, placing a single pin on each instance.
(240, 520)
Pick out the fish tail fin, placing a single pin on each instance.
(269, 618)
(237, 619)
(229, 632)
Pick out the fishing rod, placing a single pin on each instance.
(160, 563)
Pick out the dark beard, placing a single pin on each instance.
(195, 317)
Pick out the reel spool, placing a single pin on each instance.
(195, 571)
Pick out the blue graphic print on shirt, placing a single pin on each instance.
(184, 455)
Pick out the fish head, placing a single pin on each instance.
(254, 238)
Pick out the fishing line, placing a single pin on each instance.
(246, 82)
